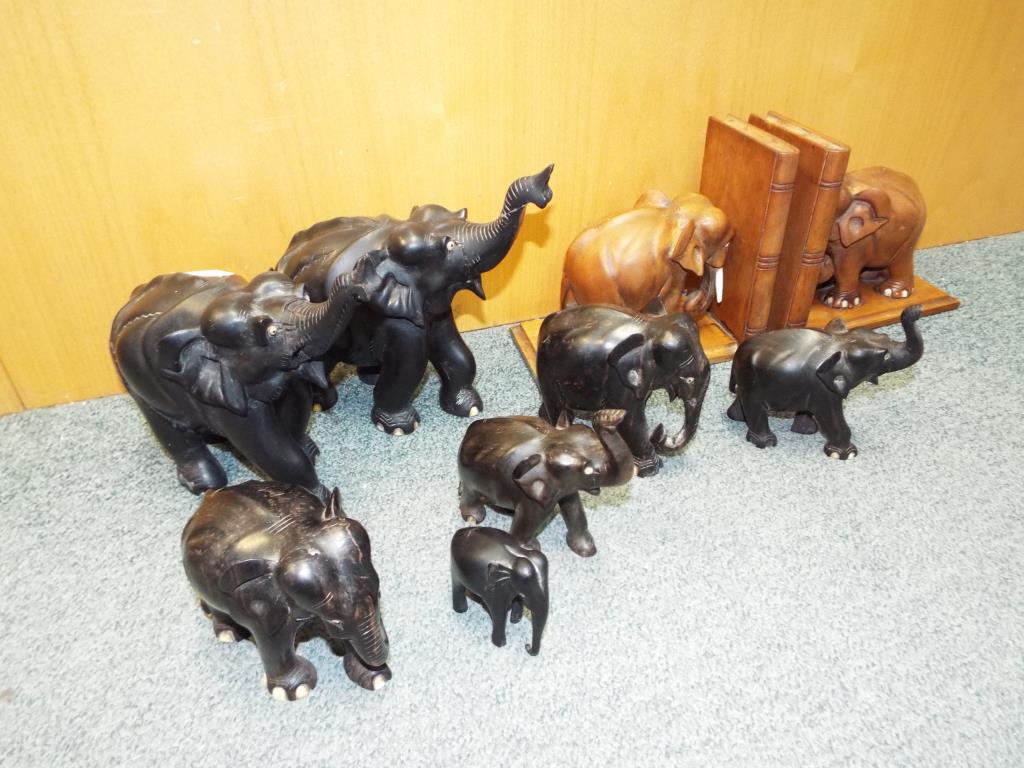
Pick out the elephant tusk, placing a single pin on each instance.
(719, 283)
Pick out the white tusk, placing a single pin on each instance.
(719, 282)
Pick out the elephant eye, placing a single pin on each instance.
(588, 470)
(887, 356)
(272, 330)
(449, 244)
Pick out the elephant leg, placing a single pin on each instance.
(326, 398)
(459, 603)
(846, 291)
(836, 431)
(578, 534)
(225, 628)
(455, 366)
(804, 423)
(756, 415)
(900, 282)
(294, 409)
(498, 606)
(365, 677)
(289, 676)
(198, 470)
(527, 523)
(735, 411)
(272, 448)
(471, 505)
(635, 432)
(403, 361)
(368, 374)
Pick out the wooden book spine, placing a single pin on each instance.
(773, 229)
(822, 217)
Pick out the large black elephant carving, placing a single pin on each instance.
(408, 321)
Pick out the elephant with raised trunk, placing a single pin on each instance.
(811, 372)
(504, 575)
(274, 563)
(408, 321)
(215, 358)
(526, 467)
(596, 356)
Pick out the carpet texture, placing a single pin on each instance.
(745, 607)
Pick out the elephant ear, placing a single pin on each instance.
(207, 378)
(529, 476)
(833, 374)
(497, 574)
(395, 299)
(868, 213)
(628, 361)
(305, 578)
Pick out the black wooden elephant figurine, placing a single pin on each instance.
(274, 563)
(210, 358)
(503, 575)
(599, 356)
(524, 466)
(811, 372)
(408, 321)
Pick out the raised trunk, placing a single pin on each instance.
(317, 325)
(370, 641)
(621, 456)
(485, 245)
(693, 401)
(908, 353)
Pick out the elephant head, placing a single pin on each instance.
(862, 211)
(438, 252)
(576, 458)
(248, 337)
(668, 356)
(332, 577)
(864, 355)
(527, 573)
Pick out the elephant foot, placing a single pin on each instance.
(292, 683)
(310, 448)
(365, 677)
(462, 402)
(473, 514)
(516, 614)
(398, 423)
(368, 374)
(647, 467)
(841, 300)
(735, 411)
(841, 453)
(582, 543)
(201, 475)
(324, 399)
(762, 441)
(804, 424)
(895, 289)
(224, 627)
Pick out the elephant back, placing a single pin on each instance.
(907, 200)
(585, 327)
(319, 254)
(165, 292)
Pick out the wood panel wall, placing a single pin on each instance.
(146, 136)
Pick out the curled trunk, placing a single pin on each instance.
(908, 353)
(317, 325)
(693, 401)
(619, 453)
(538, 604)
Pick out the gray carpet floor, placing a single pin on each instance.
(745, 607)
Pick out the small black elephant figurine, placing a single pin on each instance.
(273, 563)
(600, 356)
(504, 575)
(524, 466)
(215, 357)
(408, 321)
(811, 372)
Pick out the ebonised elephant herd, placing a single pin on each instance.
(210, 357)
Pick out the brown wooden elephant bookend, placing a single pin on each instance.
(643, 257)
(879, 219)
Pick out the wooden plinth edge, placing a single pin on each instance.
(718, 344)
(877, 310)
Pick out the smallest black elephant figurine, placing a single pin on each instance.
(504, 575)
(811, 373)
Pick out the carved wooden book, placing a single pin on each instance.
(819, 181)
(749, 174)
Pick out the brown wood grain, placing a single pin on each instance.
(145, 136)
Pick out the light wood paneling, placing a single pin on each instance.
(152, 136)
(9, 400)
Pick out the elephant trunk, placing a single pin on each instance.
(618, 451)
(692, 391)
(485, 245)
(318, 324)
(370, 641)
(536, 598)
(906, 354)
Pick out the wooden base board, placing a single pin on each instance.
(877, 310)
(718, 344)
